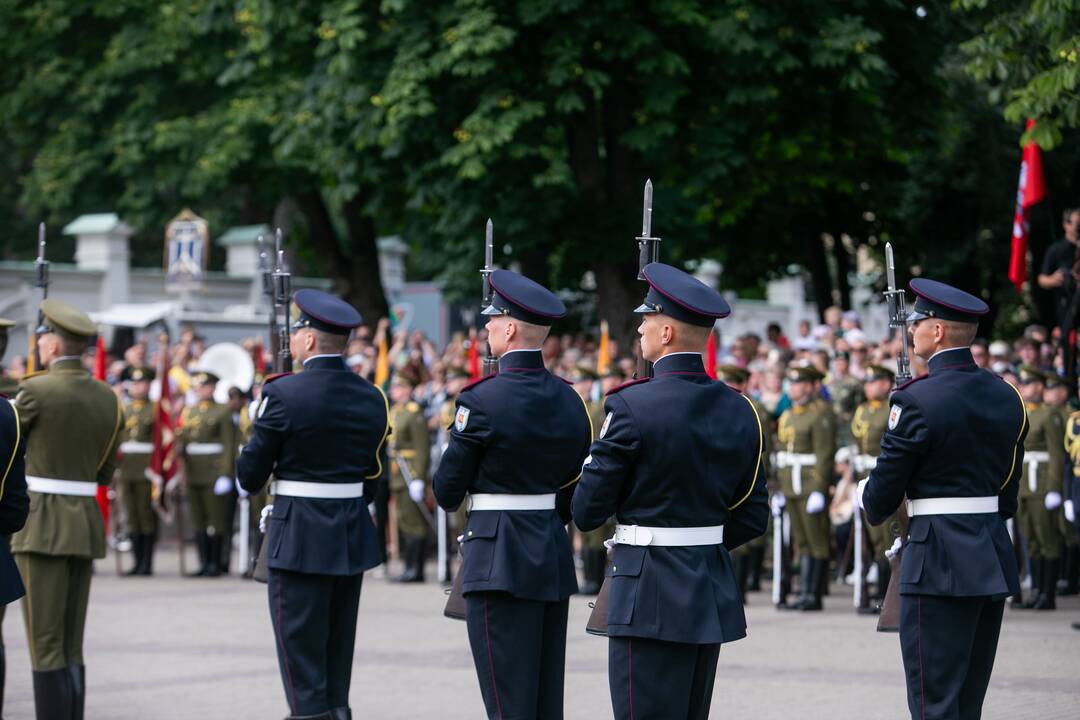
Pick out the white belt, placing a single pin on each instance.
(132, 447)
(52, 486)
(509, 501)
(1033, 458)
(204, 448)
(864, 463)
(667, 537)
(795, 461)
(952, 506)
(322, 491)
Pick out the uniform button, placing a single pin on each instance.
(470, 533)
(614, 568)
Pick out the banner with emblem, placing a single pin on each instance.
(162, 470)
(187, 245)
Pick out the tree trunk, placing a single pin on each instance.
(843, 267)
(618, 292)
(819, 274)
(355, 275)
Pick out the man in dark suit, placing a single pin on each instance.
(14, 507)
(322, 432)
(679, 462)
(954, 445)
(515, 450)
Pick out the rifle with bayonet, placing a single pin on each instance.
(41, 265)
(277, 286)
(455, 601)
(889, 619)
(648, 252)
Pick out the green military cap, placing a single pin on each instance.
(733, 373)
(1029, 374)
(804, 373)
(580, 373)
(137, 374)
(5, 323)
(879, 372)
(1054, 380)
(456, 372)
(64, 319)
(204, 377)
(405, 377)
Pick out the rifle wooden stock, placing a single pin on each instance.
(455, 601)
(889, 619)
(597, 624)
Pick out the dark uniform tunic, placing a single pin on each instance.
(679, 450)
(522, 432)
(323, 425)
(955, 433)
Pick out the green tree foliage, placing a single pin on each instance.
(1028, 52)
(764, 126)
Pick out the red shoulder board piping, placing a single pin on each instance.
(476, 382)
(912, 380)
(568, 382)
(617, 388)
(276, 376)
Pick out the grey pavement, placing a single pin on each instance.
(173, 648)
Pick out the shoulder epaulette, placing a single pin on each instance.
(911, 381)
(476, 382)
(412, 406)
(568, 382)
(625, 385)
(276, 376)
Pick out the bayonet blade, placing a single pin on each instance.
(646, 213)
(41, 242)
(890, 267)
(489, 244)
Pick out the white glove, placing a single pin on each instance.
(416, 491)
(223, 485)
(859, 490)
(1053, 500)
(815, 503)
(610, 544)
(1070, 511)
(372, 509)
(777, 503)
(266, 511)
(891, 552)
(241, 491)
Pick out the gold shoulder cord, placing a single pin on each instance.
(1024, 424)
(761, 449)
(116, 430)
(386, 434)
(14, 451)
(588, 418)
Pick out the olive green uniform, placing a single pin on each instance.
(1044, 460)
(804, 430)
(846, 393)
(9, 386)
(135, 449)
(206, 430)
(72, 424)
(867, 426)
(411, 443)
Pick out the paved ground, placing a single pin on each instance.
(167, 647)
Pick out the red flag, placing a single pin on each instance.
(162, 468)
(710, 356)
(474, 357)
(1031, 190)
(99, 374)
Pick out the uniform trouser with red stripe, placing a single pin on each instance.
(948, 645)
(519, 649)
(656, 679)
(314, 619)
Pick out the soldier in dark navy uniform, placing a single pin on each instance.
(954, 445)
(680, 463)
(322, 432)
(14, 507)
(515, 452)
